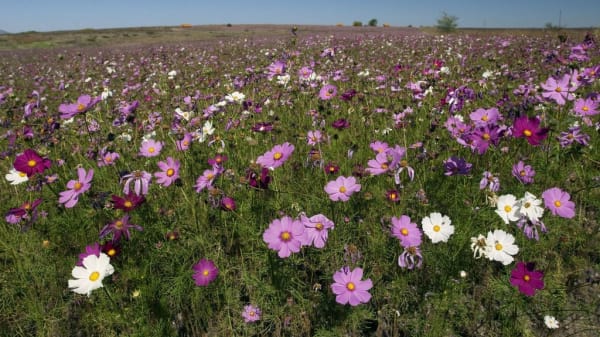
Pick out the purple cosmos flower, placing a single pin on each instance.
(327, 92)
(331, 168)
(30, 163)
(169, 173)
(218, 161)
(118, 228)
(262, 127)
(285, 235)
(481, 138)
(84, 103)
(573, 135)
(530, 227)
(523, 173)
(150, 148)
(251, 313)
(276, 68)
(483, 117)
(410, 258)
(379, 147)
(77, 187)
(379, 165)
(315, 229)
(341, 123)
(129, 202)
(586, 107)
(559, 90)
(348, 95)
(406, 231)
(314, 137)
(349, 287)
(455, 165)
(255, 181)
(184, 143)
(276, 156)
(106, 157)
(206, 179)
(529, 127)
(93, 249)
(228, 204)
(392, 195)
(27, 211)
(342, 188)
(559, 203)
(205, 271)
(491, 181)
(526, 278)
(140, 179)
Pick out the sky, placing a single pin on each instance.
(52, 15)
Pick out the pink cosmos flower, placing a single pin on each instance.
(529, 128)
(483, 117)
(315, 229)
(379, 165)
(349, 288)
(586, 107)
(276, 156)
(77, 187)
(559, 203)
(523, 173)
(30, 163)
(558, 90)
(140, 179)
(83, 104)
(106, 157)
(205, 271)
(150, 148)
(184, 143)
(251, 313)
(342, 188)
(169, 173)
(379, 147)
(526, 278)
(314, 137)
(327, 92)
(285, 236)
(406, 231)
(206, 179)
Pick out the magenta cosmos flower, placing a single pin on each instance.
(558, 202)
(127, 203)
(169, 173)
(526, 278)
(251, 313)
(342, 188)
(70, 197)
(529, 128)
(118, 228)
(327, 92)
(406, 231)
(276, 156)
(150, 148)
(315, 229)
(349, 288)
(523, 173)
(285, 235)
(30, 163)
(83, 104)
(205, 272)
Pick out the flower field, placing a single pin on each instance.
(385, 182)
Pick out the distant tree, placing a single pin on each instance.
(373, 23)
(447, 23)
(357, 23)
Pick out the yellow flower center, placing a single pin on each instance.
(128, 204)
(80, 107)
(205, 272)
(557, 203)
(252, 313)
(151, 150)
(210, 176)
(277, 155)
(170, 172)
(350, 286)
(404, 231)
(319, 226)
(403, 163)
(342, 189)
(585, 108)
(436, 228)
(526, 278)
(484, 118)
(285, 236)
(527, 204)
(94, 276)
(522, 173)
(558, 89)
(119, 224)
(384, 166)
(486, 136)
(331, 169)
(393, 196)
(527, 133)
(112, 252)
(21, 174)
(507, 209)
(108, 159)
(31, 163)
(77, 186)
(498, 246)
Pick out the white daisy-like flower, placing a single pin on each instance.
(16, 177)
(501, 246)
(236, 97)
(90, 276)
(479, 246)
(183, 114)
(551, 322)
(529, 206)
(508, 208)
(437, 227)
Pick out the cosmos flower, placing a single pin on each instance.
(75, 188)
(88, 277)
(228, 204)
(328, 92)
(455, 165)
(316, 229)
(349, 287)
(529, 128)
(140, 179)
(251, 313)
(410, 258)
(379, 165)
(118, 228)
(127, 203)
(406, 231)
(206, 179)
(314, 137)
(83, 104)
(491, 181)
(106, 157)
(574, 135)
(526, 279)
(551, 322)
(507, 208)
(169, 173)
(586, 107)
(501, 246)
(93, 249)
(205, 272)
(342, 188)
(523, 173)
(559, 203)
(15, 177)
(276, 156)
(30, 163)
(150, 148)
(529, 206)
(285, 235)
(558, 90)
(437, 227)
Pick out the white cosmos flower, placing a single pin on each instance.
(90, 276)
(479, 246)
(529, 206)
(236, 97)
(171, 74)
(283, 79)
(501, 246)
(508, 208)
(183, 114)
(437, 227)
(551, 322)
(16, 177)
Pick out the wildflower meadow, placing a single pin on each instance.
(383, 182)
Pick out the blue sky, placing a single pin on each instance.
(50, 15)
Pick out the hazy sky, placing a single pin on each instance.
(49, 15)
